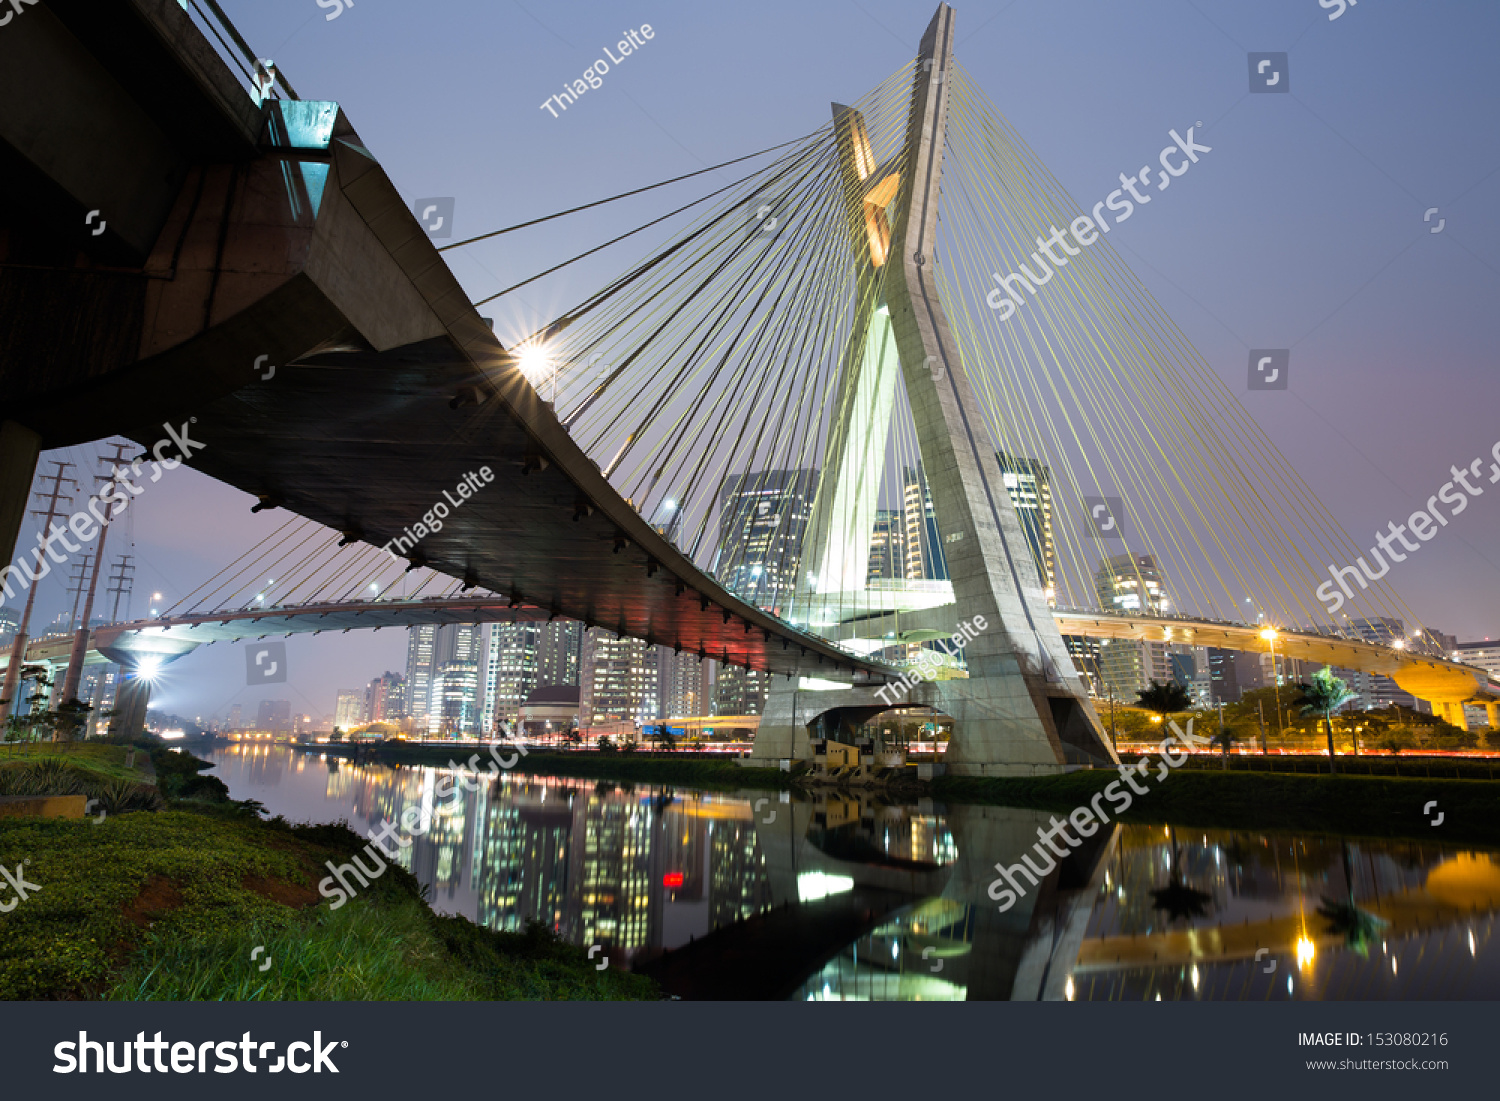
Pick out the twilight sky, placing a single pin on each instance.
(1303, 229)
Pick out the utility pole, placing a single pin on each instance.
(76, 587)
(121, 586)
(1260, 706)
(81, 636)
(1223, 745)
(18, 647)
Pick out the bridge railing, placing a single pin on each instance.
(260, 77)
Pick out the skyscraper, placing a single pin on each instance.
(887, 546)
(762, 518)
(619, 680)
(349, 712)
(739, 691)
(683, 682)
(1029, 484)
(419, 673)
(1374, 690)
(453, 705)
(522, 657)
(442, 678)
(924, 552)
(274, 715)
(385, 699)
(1131, 584)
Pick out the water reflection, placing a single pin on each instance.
(845, 898)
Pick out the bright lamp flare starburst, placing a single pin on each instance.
(536, 365)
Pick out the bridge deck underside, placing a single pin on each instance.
(367, 441)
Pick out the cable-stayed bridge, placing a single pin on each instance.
(818, 351)
(165, 638)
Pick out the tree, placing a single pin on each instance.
(1177, 898)
(27, 726)
(70, 718)
(1358, 927)
(1325, 695)
(1164, 699)
(1225, 739)
(664, 738)
(1246, 714)
(573, 737)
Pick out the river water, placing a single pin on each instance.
(890, 901)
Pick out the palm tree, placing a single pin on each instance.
(1164, 699)
(1357, 927)
(1325, 695)
(1178, 899)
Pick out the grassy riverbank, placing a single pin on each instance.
(173, 905)
(94, 769)
(1359, 805)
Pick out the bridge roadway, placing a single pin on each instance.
(242, 238)
(1444, 683)
(1448, 685)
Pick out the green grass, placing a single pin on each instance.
(96, 771)
(103, 760)
(1356, 805)
(369, 950)
(170, 905)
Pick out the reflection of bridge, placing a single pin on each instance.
(245, 230)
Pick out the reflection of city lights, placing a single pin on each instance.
(1195, 977)
(1472, 949)
(1306, 950)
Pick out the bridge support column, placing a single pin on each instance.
(1452, 713)
(1492, 715)
(132, 696)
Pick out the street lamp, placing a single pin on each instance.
(1269, 634)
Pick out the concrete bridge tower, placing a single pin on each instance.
(1022, 709)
